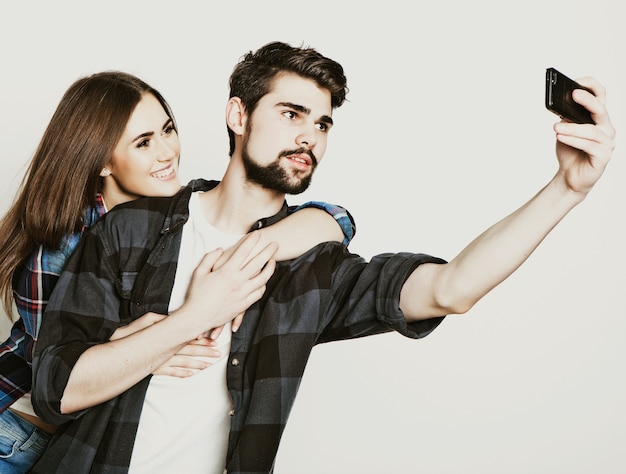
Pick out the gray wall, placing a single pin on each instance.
(445, 133)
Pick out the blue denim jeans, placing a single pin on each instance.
(21, 443)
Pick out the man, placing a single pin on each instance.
(232, 414)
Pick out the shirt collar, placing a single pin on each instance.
(179, 207)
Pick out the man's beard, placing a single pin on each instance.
(273, 176)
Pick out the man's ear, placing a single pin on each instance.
(236, 115)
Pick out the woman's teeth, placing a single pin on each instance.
(163, 173)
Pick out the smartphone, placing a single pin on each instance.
(559, 100)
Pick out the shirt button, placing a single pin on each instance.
(235, 362)
(231, 412)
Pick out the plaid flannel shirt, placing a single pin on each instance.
(126, 266)
(33, 283)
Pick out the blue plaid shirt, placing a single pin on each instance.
(33, 283)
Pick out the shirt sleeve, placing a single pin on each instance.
(33, 283)
(82, 311)
(365, 296)
(15, 373)
(341, 215)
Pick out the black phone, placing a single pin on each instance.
(559, 100)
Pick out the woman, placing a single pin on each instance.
(111, 139)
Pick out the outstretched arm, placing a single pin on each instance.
(583, 152)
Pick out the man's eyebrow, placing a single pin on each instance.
(326, 119)
(305, 110)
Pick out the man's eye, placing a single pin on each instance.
(290, 114)
(324, 127)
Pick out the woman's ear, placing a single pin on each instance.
(235, 115)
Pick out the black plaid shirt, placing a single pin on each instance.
(126, 266)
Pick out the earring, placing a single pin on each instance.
(105, 172)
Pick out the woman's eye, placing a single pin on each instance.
(168, 130)
(143, 143)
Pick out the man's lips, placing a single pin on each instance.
(302, 158)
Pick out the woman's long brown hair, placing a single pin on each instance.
(63, 177)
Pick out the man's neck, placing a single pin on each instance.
(235, 204)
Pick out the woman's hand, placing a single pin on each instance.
(185, 362)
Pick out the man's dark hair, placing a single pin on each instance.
(254, 75)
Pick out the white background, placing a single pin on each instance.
(445, 132)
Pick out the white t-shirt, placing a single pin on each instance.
(185, 422)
